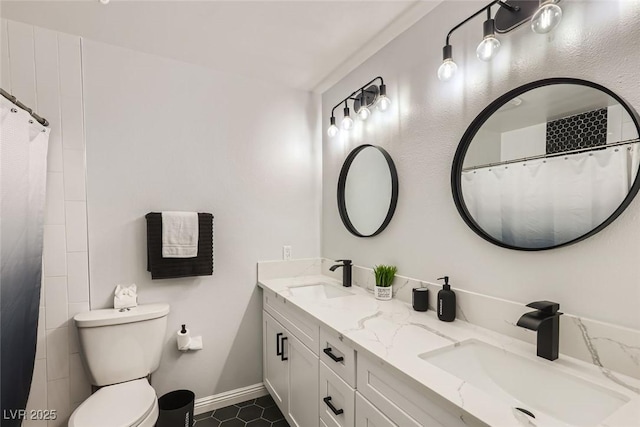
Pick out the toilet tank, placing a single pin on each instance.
(120, 346)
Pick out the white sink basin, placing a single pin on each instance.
(534, 386)
(319, 291)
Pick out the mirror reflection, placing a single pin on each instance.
(550, 165)
(367, 190)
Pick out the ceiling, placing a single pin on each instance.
(307, 45)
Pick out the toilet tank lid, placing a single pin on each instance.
(112, 316)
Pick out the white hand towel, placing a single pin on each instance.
(125, 297)
(179, 234)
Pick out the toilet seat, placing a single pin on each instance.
(129, 404)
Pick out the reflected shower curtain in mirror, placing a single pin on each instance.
(547, 202)
(23, 160)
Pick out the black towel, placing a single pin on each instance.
(169, 268)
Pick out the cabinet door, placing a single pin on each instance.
(368, 415)
(336, 399)
(275, 365)
(303, 384)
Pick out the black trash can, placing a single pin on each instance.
(176, 409)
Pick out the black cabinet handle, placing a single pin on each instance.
(282, 356)
(327, 400)
(333, 357)
(278, 351)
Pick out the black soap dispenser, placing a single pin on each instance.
(446, 302)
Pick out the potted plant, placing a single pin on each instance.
(384, 280)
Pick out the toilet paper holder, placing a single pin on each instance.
(186, 342)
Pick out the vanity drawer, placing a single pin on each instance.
(405, 403)
(338, 355)
(298, 323)
(337, 399)
(368, 415)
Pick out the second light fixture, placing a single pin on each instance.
(363, 99)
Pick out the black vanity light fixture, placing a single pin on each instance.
(544, 16)
(365, 97)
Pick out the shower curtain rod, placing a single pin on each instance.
(546, 156)
(15, 101)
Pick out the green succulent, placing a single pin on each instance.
(385, 275)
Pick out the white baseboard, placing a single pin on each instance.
(216, 401)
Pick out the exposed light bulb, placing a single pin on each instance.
(546, 18)
(364, 113)
(333, 129)
(383, 103)
(347, 123)
(488, 48)
(104, 1)
(447, 70)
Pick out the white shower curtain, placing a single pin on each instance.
(23, 160)
(547, 202)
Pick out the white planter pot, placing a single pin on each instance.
(383, 293)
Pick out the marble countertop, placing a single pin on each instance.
(393, 332)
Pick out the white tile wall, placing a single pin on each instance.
(57, 353)
(55, 199)
(74, 175)
(78, 277)
(58, 397)
(38, 396)
(55, 250)
(56, 302)
(43, 69)
(76, 213)
(79, 388)
(5, 70)
(75, 308)
(41, 345)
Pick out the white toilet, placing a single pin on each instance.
(120, 349)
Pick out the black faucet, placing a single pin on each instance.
(545, 320)
(346, 272)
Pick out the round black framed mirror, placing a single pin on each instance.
(367, 190)
(547, 164)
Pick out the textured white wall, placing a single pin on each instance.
(596, 278)
(165, 135)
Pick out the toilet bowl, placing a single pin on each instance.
(129, 404)
(120, 348)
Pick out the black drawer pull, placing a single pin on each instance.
(278, 351)
(282, 356)
(327, 400)
(333, 357)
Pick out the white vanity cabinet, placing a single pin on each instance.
(274, 364)
(318, 379)
(368, 415)
(290, 368)
(403, 403)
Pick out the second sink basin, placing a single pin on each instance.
(319, 291)
(527, 384)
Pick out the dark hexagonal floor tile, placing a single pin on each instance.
(207, 422)
(281, 423)
(265, 401)
(259, 423)
(250, 413)
(272, 414)
(203, 416)
(247, 403)
(235, 422)
(226, 413)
